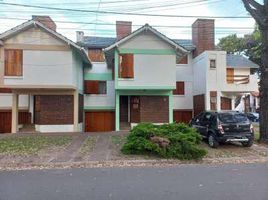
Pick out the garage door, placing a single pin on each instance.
(182, 116)
(99, 121)
(5, 120)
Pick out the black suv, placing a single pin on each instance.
(222, 127)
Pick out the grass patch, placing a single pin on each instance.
(31, 144)
(257, 132)
(118, 140)
(88, 145)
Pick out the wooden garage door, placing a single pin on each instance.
(226, 103)
(182, 116)
(5, 120)
(99, 121)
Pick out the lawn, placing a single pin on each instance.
(88, 145)
(22, 145)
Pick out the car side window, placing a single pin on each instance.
(206, 118)
(198, 118)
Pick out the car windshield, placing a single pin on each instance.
(232, 117)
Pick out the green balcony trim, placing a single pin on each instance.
(148, 51)
(145, 87)
(86, 108)
(99, 76)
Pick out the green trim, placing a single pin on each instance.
(145, 87)
(99, 108)
(143, 93)
(116, 66)
(148, 51)
(98, 76)
(171, 105)
(117, 111)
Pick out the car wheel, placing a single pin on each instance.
(248, 143)
(212, 142)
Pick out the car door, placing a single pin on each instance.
(196, 122)
(205, 123)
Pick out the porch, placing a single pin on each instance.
(133, 107)
(51, 110)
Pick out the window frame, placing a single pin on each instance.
(210, 64)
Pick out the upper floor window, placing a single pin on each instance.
(95, 87)
(180, 88)
(96, 55)
(13, 62)
(212, 64)
(182, 61)
(126, 66)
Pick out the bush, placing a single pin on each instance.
(183, 141)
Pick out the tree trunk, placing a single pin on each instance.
(264, 88)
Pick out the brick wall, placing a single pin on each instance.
(203, 35)
(154, 109)
(54, 109)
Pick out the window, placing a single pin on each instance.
(95, 87)
(13, 62)
(126, 66)
(180, 88)
(182, 61)
(96, 55)
(212, 64)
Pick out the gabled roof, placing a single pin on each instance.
(239, 61)
(33, 23)
(147, 27)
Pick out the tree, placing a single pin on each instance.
(249, 45)
(232, 44)
(260, 13)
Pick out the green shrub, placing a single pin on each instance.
(183, 141)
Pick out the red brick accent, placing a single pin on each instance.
(203, 35)
(45, 20)
(154, 109)
(123, 28)
(54, 109)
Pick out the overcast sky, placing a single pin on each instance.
(163, 7)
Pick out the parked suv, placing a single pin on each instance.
(220, 127)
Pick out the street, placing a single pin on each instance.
(186, 182)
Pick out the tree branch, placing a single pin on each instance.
(255, 12)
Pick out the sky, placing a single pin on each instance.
(11, 16)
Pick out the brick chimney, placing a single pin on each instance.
(203, 35)
(123, 28)
(45, 20)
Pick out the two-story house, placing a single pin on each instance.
(41, 78)
(143, 76)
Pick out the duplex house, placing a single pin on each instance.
(143, 76)
(41, 78)
(54, 84)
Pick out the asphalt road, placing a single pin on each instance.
(187, 182)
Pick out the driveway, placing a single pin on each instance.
(186, 182)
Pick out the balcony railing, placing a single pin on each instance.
(237, 79)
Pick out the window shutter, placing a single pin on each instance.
(184, 60)
(13, 62)
(91, 87)
(180, 88)
(96, 55)
(127, 66)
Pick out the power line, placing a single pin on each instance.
(125, 13)
(134, 25)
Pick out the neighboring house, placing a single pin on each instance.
(140, 76)
(41, 78)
